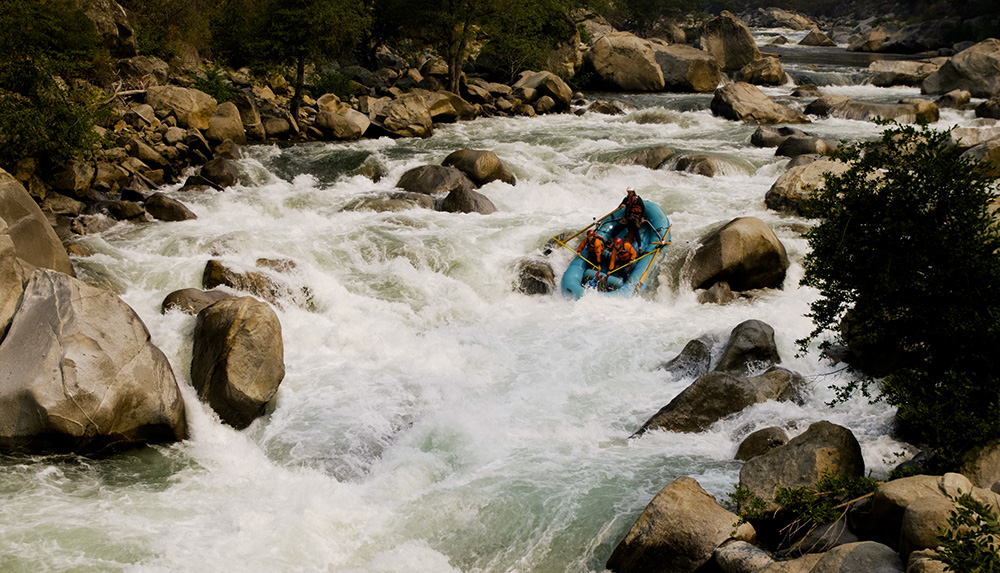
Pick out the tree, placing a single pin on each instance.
(262, 33)
(39, 116)
(521, 37)
(451, 26)
(907, 251)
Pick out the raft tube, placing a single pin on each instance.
(654, 236)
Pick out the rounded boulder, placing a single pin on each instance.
(238, 358)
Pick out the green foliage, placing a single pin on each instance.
(520, 39)
(331, 82)
(164, 27)
(215, 83)
(824, 503)
(746, 505)
(907, 249)
(584, 33)
(970, 542)
(39, 116)
(805, 506)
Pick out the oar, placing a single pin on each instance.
(577, 253)
(575, 235)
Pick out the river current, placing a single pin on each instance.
(431, 418)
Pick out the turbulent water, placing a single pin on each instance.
(431, 418)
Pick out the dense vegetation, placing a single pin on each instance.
(43, 43)
(906, 263)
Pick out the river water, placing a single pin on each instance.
(431, 418)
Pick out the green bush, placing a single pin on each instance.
(332, 82)
(970, 542)
(907, 249)
(215, 83)
(39, 116)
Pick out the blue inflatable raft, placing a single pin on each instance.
(583, 274)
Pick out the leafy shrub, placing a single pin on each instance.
(801, 509)
(970, 542)
(907, 249)
(332, 82)
(39, 116)
(214, 82)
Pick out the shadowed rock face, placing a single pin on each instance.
(677, 532)
(480, 166)
(238, 358)
(744, 253)
(728, 39)
(34, 240)
(801, 462)
(716, 395)
(78, 373)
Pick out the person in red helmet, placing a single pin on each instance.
(622, 253)
(595, 245)
(634, 215)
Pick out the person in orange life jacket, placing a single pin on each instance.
(622, 254)
(633, 216)
(596, 246)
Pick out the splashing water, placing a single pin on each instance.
(432, 419)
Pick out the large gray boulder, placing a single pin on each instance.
(191, 300)
(741, 101)
(866, 556)
(802, 461)
(78, 373)
(744, 253)
(349, 124)
(253, 124)
(976, 69)
(13, 276)
(793, 189)
(677, 532)
(448, 107)
(693, 360)
(650, 158)
(467, 201)
(987, 151)
(817, 38)
(904, 513)
(764, 72)
(750, 348)
(257, 283)
(902, 72)
(226, 124)
(164, 208)
(869, 41)
(480, 166)
(982, 466)
(687, 69)
(434, 179)
(760, 442)
(716, 395)
(114, 27)
(405, 116)
(778, 18)
(547, 84)
(535, 276)
(728, 39)
(238, 358)
(906, 111)
(34, 240)
(626, 62)
(191, 108)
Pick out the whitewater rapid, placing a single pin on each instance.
(431, 418)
